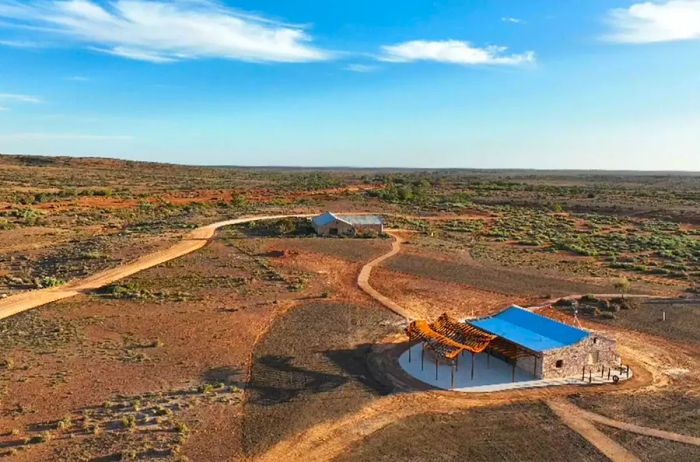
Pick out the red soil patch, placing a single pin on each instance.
(431, 299)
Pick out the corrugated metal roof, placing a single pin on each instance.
(329, 217)
(530, 330)
(324, 219)
(362, 219)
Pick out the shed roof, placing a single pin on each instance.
(532, 331)
(362, 219)
(324, 219)
(328, 217)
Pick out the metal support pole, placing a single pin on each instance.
(590, 376)
(409, 352)
(472, 365)
(452, 378)
(534, 369)
(609, 373)
(583, 374)
(422, 355)
(602, 371)
(436, 368)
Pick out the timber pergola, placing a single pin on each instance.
(448, 338)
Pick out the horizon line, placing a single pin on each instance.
(350, 167)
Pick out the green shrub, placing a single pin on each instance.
(48, 281)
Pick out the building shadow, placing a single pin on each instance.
(276, 380)
(228, 375)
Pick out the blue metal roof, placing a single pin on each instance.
(530, 330)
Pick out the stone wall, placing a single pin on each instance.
(373, 230)
(345, 229)
(592, 352)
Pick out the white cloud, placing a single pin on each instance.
(78, 78)
(512, 20)
(20, 43)
(454, 52)
(655, 22)
(361, 68)
(163, 31)
(19, 98)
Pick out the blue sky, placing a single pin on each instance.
(598, 84)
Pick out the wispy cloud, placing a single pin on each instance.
(164, 31)
(20, 43)
(512, 20)
(361, 68)
(649, 22)
(78, 78)
(453, 52)
(13, 97)
(28, 136)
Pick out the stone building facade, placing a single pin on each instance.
(593, 352)
(547, 348)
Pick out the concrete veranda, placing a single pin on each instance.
(490, 373)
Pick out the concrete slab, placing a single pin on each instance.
(490, 373)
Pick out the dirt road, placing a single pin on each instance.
(366, 272)
(192, 241)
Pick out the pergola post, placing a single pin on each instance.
(409, 351)
(436, 368)
(452, 378)
(472, 365)
(422, 355)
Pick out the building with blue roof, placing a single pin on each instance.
(544, 346)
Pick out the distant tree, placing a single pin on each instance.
(623, 286)
(556, 208)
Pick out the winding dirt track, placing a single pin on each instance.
(366, 272)
(192, 241)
